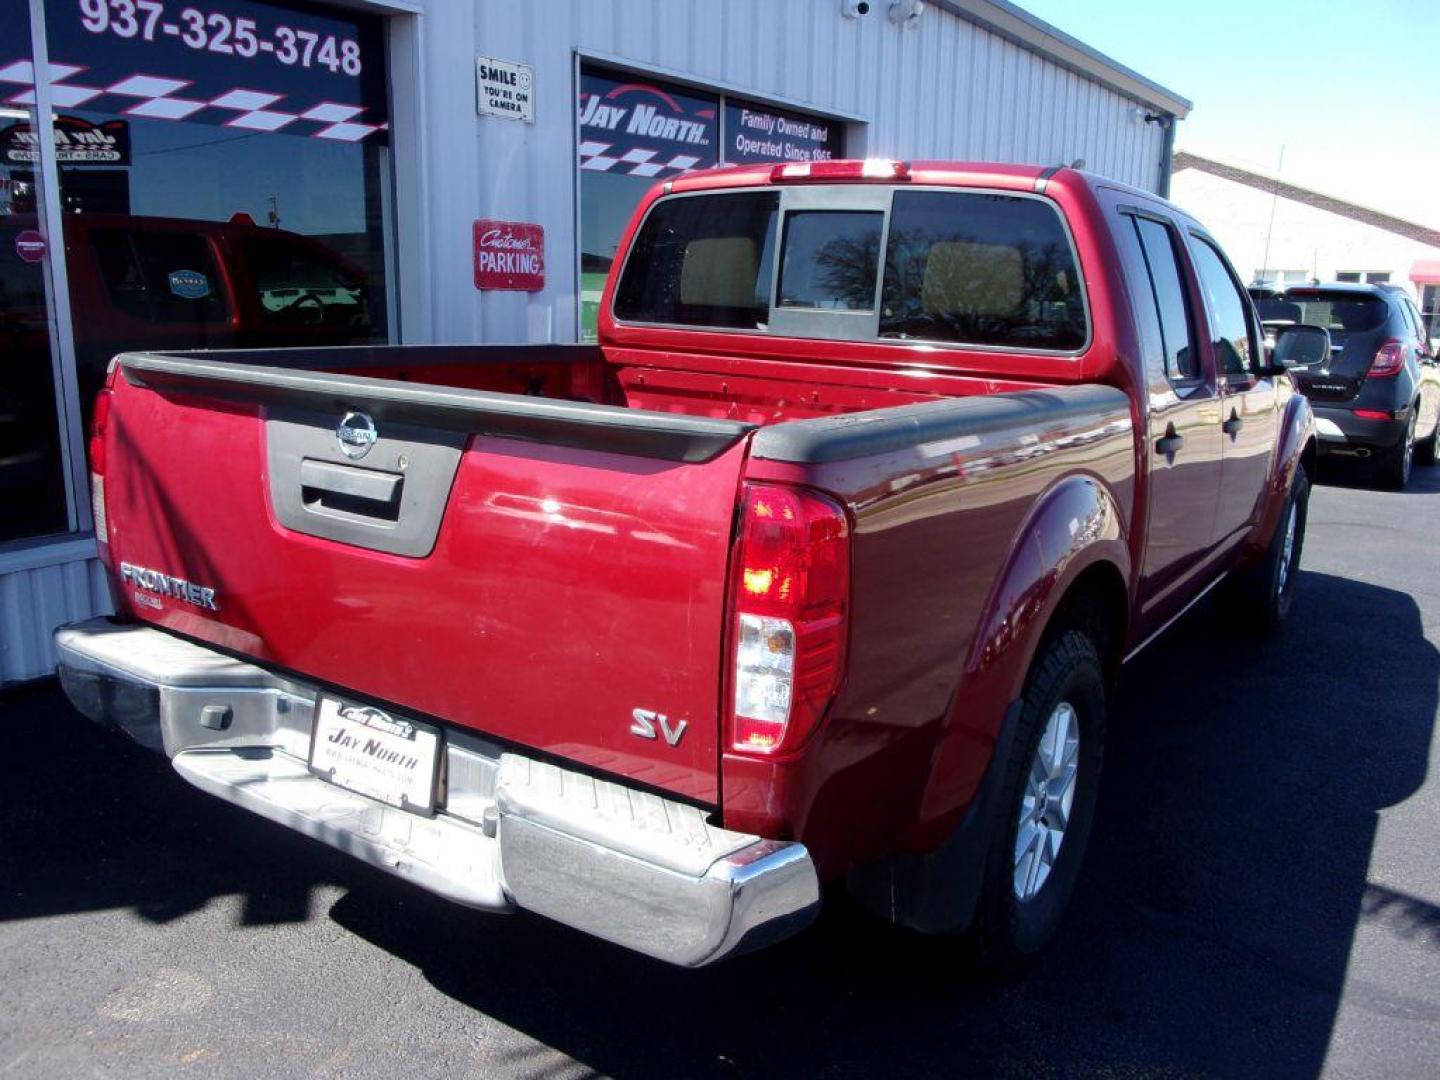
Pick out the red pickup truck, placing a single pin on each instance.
(819, 568)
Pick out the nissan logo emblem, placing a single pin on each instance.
(356, 434)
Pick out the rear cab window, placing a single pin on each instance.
(945, 266)
(703, 260)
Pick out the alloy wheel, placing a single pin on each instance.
(1287, 552)
(1048, 797)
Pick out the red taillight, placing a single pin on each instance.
(1372, 414)
(790, 604)
(815, 171)
(1389, 359)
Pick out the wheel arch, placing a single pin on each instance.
(1072, 558)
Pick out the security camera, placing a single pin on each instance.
(853, 9)
(906, 12)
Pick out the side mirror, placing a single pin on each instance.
(1300, 346)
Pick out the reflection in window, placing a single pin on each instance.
(250, 240)
(830, 260)
(158, 276)
(1157, 243)
(32, 478)
(702, 261)
(992, 270)
(303, 284)
(1228, 324)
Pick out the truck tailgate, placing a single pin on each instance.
(535, 570)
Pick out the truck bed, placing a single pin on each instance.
(536, 546)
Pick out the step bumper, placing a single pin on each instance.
(629, 866)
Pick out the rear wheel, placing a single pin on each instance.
(1048, 803)
(1394, 468)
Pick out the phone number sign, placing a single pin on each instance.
(237, 63)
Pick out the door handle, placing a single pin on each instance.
(1170, 443)
(1232, 426)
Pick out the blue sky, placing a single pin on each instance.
(1351, 89)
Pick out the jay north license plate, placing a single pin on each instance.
(370, 752)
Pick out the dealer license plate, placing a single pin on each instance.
(368, 751)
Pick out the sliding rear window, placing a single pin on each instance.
(703, 261)
(981, 269)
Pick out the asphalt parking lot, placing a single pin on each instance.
(1262, 898)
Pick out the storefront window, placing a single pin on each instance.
(635, 132)
(32, 470)
(1430, 309)
(224, 176)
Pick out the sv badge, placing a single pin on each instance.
(647, 722)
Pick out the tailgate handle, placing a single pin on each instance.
(342, 489)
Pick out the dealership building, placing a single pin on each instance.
(1284, 234)
(238, 173)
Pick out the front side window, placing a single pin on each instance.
(702, 261)
(830, 260)
(1229, 325)
(299, 285)
(980, 269)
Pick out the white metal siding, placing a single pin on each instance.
(946, 89)
(34, 602)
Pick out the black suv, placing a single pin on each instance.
(1376, 390)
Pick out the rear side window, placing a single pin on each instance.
(703, 261)
(1338, 312)
(160, 276)
(981, 269)
(1157, 243)
(830, 259)
(1229, 326)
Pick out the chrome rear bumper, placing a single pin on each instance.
(628, 866)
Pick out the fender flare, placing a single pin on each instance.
(1075, 525)
(1295, 440)
(934, 884)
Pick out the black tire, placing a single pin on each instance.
(1008, 930)
(1393, 470)
(1261, 596)
(1428, 452)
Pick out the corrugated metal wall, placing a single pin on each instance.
(945, 89)
(33, 602)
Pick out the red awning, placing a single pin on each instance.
(1425, 272)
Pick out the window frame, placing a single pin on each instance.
(859, 327)
(1183, 387)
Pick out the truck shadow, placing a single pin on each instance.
(1211, 931)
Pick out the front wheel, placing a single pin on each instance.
(1047, 801)
(1261, 596)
